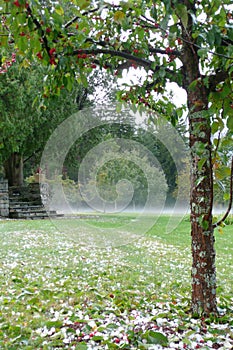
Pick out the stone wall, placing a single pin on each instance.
(4, 199)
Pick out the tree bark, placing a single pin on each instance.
(202, 232)
(14, 169)
(201, 195)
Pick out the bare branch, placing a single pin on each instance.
(230, 200)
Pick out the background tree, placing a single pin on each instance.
(119, 173)
(187, 42)
(24, 126)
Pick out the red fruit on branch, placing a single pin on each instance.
(22, 34)
(52, 61)
(48, 30)
(39, 55)
(52, 51)
(93, 65)
(82, 55)
(168, 50)
(135, 51)
(171, 58)
(16, 3)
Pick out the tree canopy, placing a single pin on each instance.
(25, 125)
(186, 42)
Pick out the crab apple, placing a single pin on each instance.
(16, 3)
(52, 51)
(168, 50)
(39, 55)
(52, 61)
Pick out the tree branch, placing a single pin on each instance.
(39, 28)
(142, 61)
(165, 52)
(73, 20)
(139, 60)
(230, 200)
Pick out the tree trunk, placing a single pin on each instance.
(14, 169)
(201, 196)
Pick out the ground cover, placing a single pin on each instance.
(59, 294)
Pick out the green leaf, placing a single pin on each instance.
(205, 224)
(155, 338)
(22, 43)
(83, 79)
(182, 13)
(56, 324)
(81, 346)
(119, 16)
(226, 196)
(83, 4)
(59, 10)
(201, 162)
(193, 85)
(230, 123)
(214, 127)
(222, 172)
(210, 37)
(141, 34)
(202, 53)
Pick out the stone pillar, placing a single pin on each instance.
(4, 199)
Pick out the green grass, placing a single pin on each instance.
(45, 272)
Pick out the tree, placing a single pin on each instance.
(24, 126)
(124, 177)
(188, 42)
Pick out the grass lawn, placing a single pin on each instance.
(58, 293)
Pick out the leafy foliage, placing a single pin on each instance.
(117, 164)
(25, 126)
